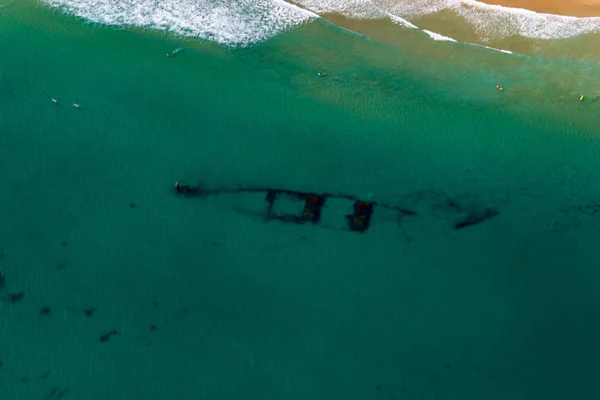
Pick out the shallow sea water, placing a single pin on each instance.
(212, 301)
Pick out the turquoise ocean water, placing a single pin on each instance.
(212, 302)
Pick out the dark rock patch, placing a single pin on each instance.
(106, 337)
(475, 217)
(13, 298)
(88, 312)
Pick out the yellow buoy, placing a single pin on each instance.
(581, 98)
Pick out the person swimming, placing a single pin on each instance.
(172, 53)
(321, 73)
(54, 100)
(500, 88)
(75, 105)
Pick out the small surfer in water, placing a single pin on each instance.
(75, 105)
(500, 88)
(54, 101)
(172, 53)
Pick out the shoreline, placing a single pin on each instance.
(448, 63)
(571, 8)
(421, 126)
(456, 28)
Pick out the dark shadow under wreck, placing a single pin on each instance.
(308, 207)
(359, 220)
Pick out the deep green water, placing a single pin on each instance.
(412, 309)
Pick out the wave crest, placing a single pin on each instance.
(490, 21)
(236, 23)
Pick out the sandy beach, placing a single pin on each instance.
(574, 8)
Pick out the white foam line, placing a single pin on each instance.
(438, 37)
(345, 29)
(490, 21)
(515, 10)
(492, 48)
(355, 9)
(494, 21)
(401, 21)
(235, 23)
(295, 7)
(230, 22)
(348, 10)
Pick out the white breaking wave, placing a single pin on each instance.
(357, 9)
(236, 23)
(401, 21)
(497, 21)
(438, 37)
(240, 23)
(493, 48)
(488, 20)
(379, 9)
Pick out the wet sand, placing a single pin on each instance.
(574, 8)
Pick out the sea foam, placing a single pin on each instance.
(235, 23)
(493, 21)
(490, 21)
(438, 37)
(240, 23)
